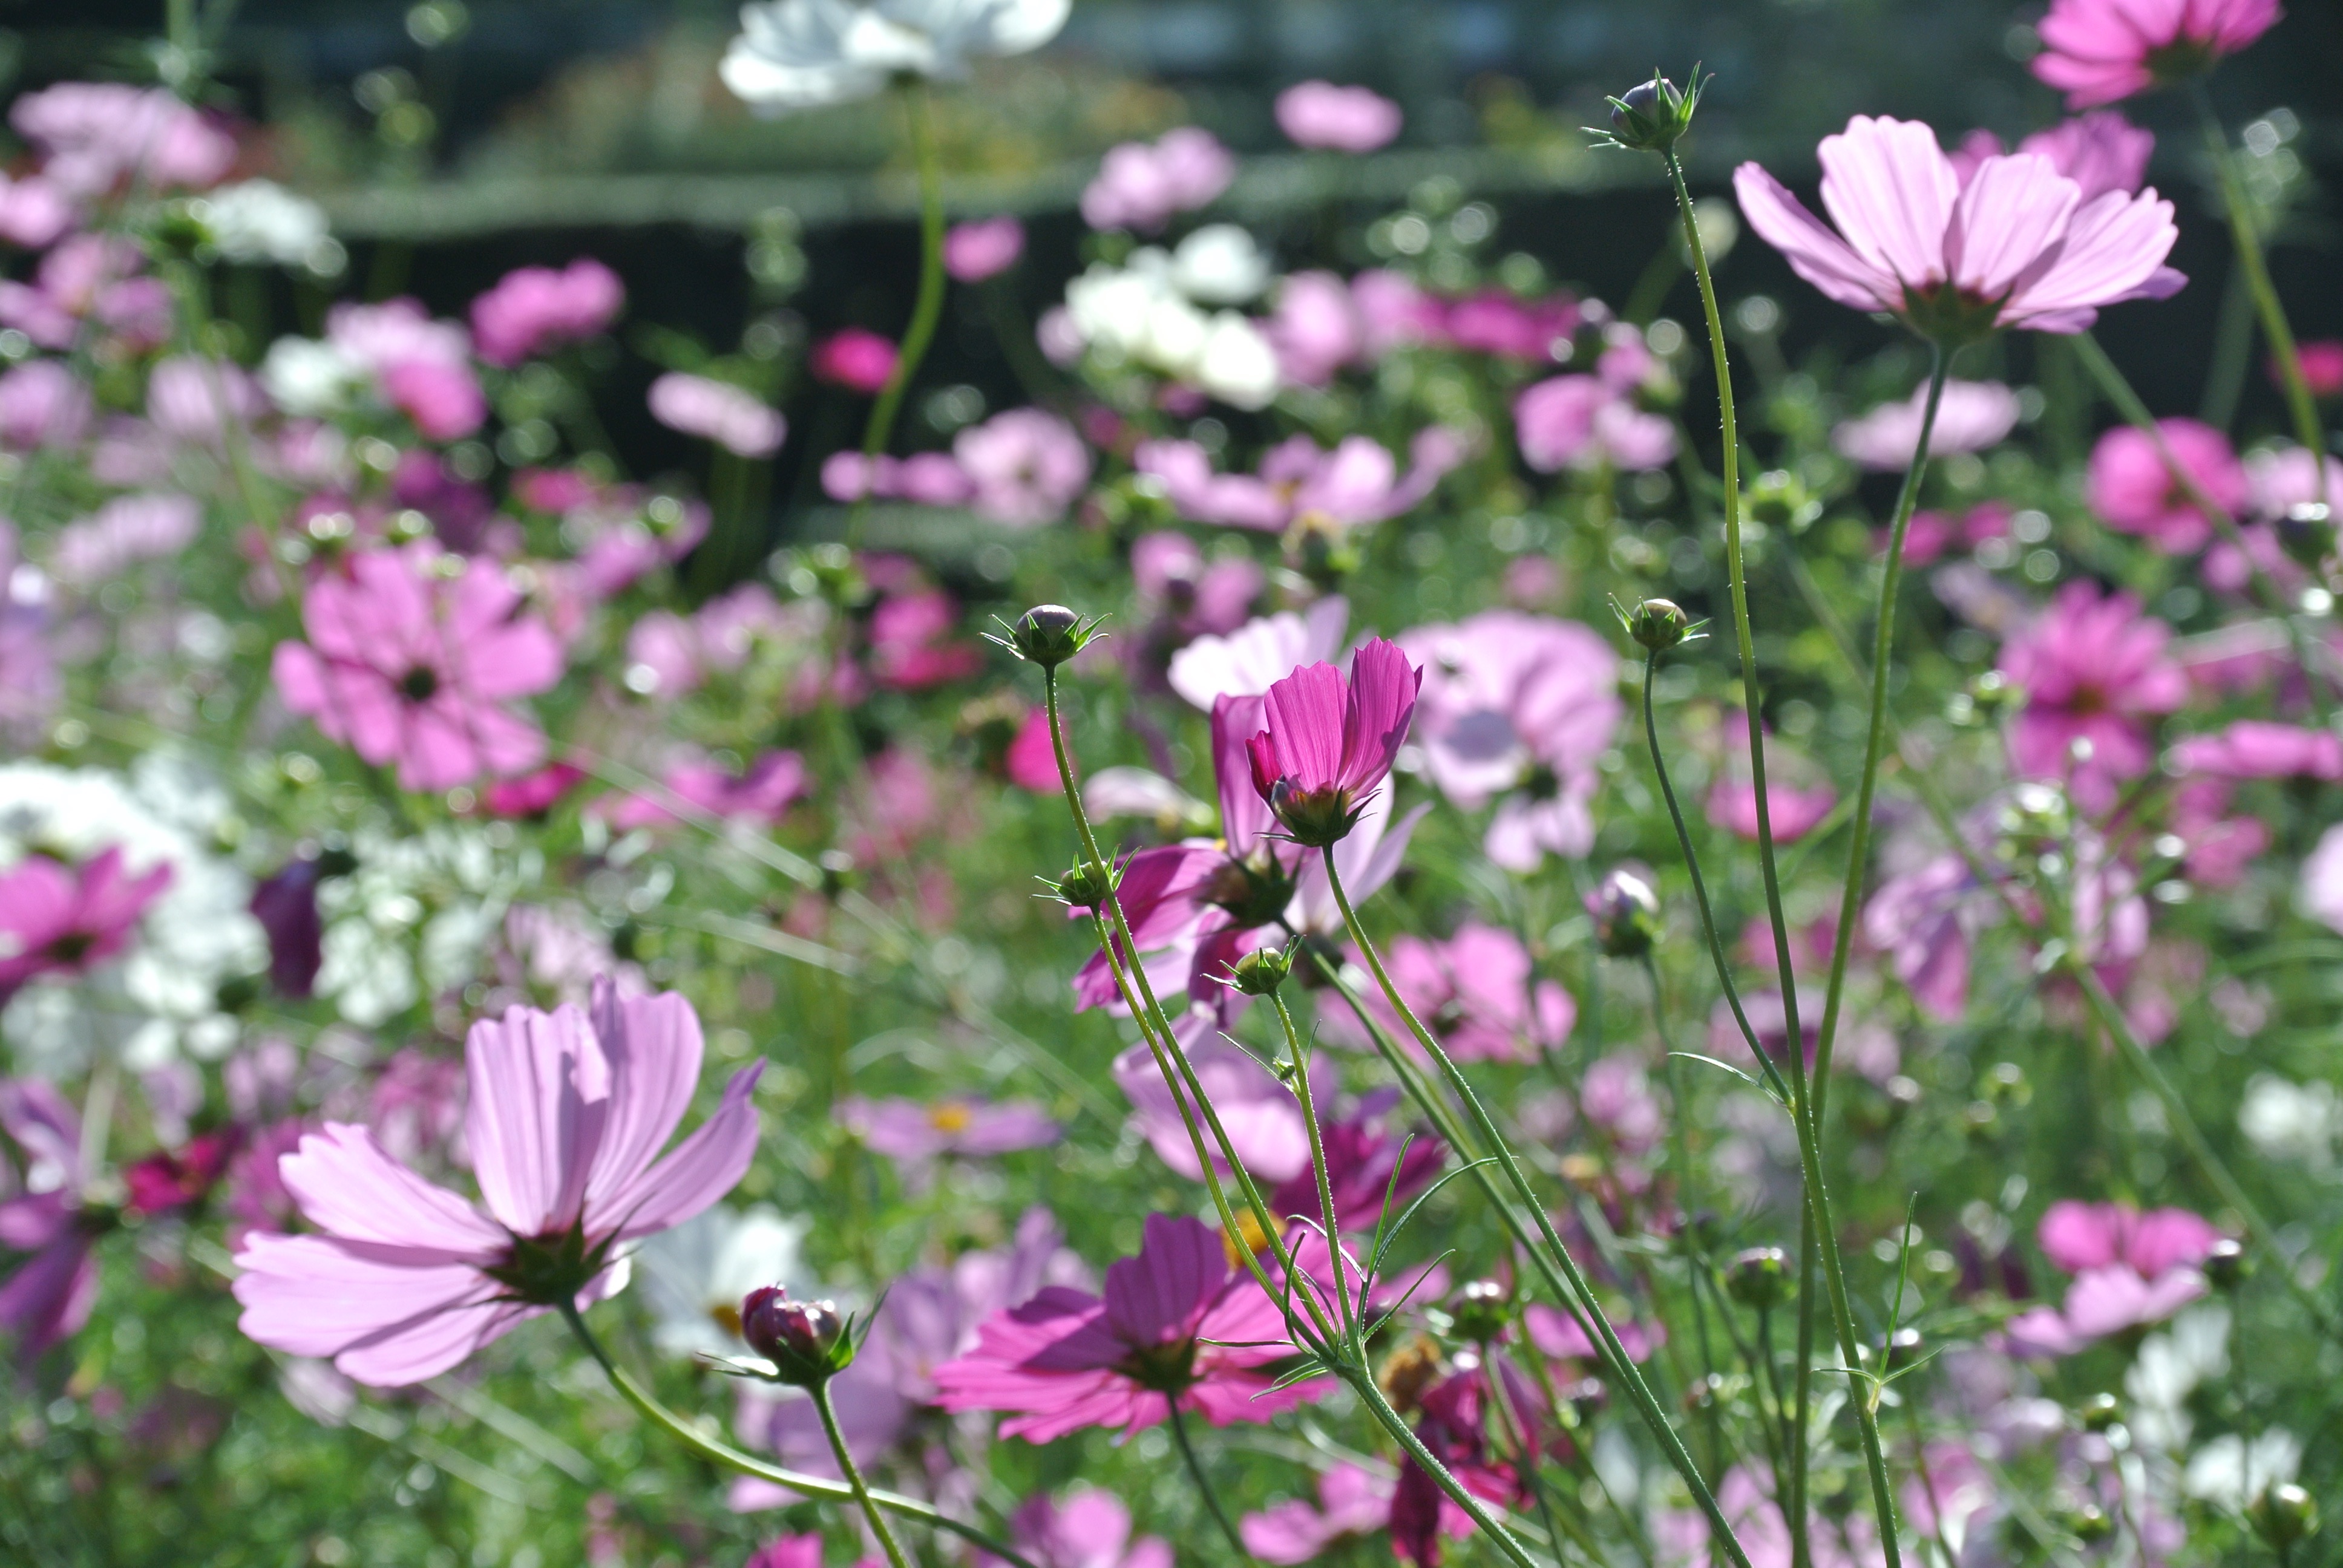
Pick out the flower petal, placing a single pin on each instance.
(1812, 251)
(1891, 190)
(540, 1095)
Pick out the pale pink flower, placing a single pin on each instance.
(1026, 466)
(735, 419)
(194, 400)
(857, 359)
(127, 530)
(924, 478)
(56, 919)
(977, 250)
(33, 212)
(1585, 422)
(1352, 1506)
(2093, 668)
(43, 404)
(1355, 484)
(2100, 152)
(1140, 185)
(1248, 660)
(1476, 991)
(759, 795)
(2256, 749)
(402, 1279)
(972, 1128)
(394, 332)
(1972, 416)
(2321, 889)
(1792, 812)
(444, 401)
(2280, 479)
(1342, 119)
(2078, 1236)
(1260, 1114)
(406, 665)
(2101, 51)
(1315, 328)
(92, 135)
(533, 309)
(2018, 248)
(2134, 491)
(1090, 1529)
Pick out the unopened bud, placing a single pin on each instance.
(1047, 635)
(1085, 886)
(1626, 911)
(2098, 1412)
(1652, 116)
(1260, 972)
(807, 1342)
(1758, 1278)
(2091, 1524)
(2225, 1264)
(1658, 624)
(2283, 1515)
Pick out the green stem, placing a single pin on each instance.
(1680, 1147)
(853, 1473)
(725, 1454)
(2233, 352)
(927, 308)
(2247, 235)
(1204, 1487)
(1308, 1097)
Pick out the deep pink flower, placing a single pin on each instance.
(859, 360)
(911, 646)
(977, 250)
(2322, 366)
(1026, 466)
(1475, 991)
(445, 401)
(788, 1551)
(60, 919)
(1368, 1163)
(1261, 1115)
(2256, 749)
(1177, 1323)
(2132, 489)
(1355, 484)
(531, 794)
(2093, 668)
(1352, 1506)
(1343, 119)
(43, 404)
(93, 135)
(406, 665)
(2078, 1236)
(1032, 760)
(533, 309)
(1315, 328)
(49, 1296)
(1584, 422)
(718, 411)
(1328, 742)
(2018, 248)
(174, 1179)
(2100, 151)
(403, 1280)
(1972, 416)
(1495, 321)
(1931, 535)
(909, 1130)
(1090, 1529)
(1794, 812)
(1140, 185)
(2101, 51)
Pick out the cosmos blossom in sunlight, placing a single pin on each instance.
(2100, 51)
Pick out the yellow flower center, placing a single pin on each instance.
(952, 1117)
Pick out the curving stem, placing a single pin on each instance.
(926, 308)
(853, 1473)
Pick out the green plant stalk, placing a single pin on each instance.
(853, 1473)
(1204, 1487)
(725, 1454)
(1680, 1148)
(2256, 268)
(1309, 1098)
(1614, 1355)
(927, 307)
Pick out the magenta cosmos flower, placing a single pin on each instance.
(1328, 742)
(569, 1112)
(2093, 668)
(857, 359)
(1090, 1529)
(2101, 51)
(1177, 1323)
(1344, 120)
(2133, 489)
(2256, 749)
(977, 250)
(56, 919)
(534, 308)
(2129, 1267)
(2019, 246)
(407, 663)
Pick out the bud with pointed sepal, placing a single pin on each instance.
(809, 1342)
(1047, 635)
(1652, 116)
(1626, 911)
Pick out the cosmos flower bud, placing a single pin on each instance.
(2225, 1264)
(1654, 114)
(2284, 1514)
(1085, 886)
(807, 1342)
(2098, 1412)
(1047, 635)
(1626, 911)
(1658, 624)
(1261, 970)
(1758, 1278)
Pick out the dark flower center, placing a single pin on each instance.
(1541, 782)
(420, 684)
(1165, 1369)
(70, 946)
(1951, 316)
(1254, 890)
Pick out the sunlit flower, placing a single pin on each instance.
(1357, 483)
(56, 919)
(93, 136)
(1140, 185)
(800, 53)
(918, 1134)
(2100, 152)
(1087, 1529)
(2133, 489)
(718, 411)
(2100, 51)
(2093, 668)
(1247, 662)
(1327, 742)
(1345, 119)
(1972, 416)
(1476, 991)
(533, 309)
(1585, 422)
(1260, 1114)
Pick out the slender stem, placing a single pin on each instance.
(724, 1454)
(927, 308)
(1308, 1097)
(1614, 1355)
(1680, 1147)
(853, 1473)
(2233, 351)
(1196, 1473)
(2247, 234)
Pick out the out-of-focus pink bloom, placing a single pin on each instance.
(33, 212)
(1198, 597)
(1496, 322)
(1930, 535)
(788, 1551)
(170, 1180)
(1794, 812)
(194, 400)
(2280, 479)
(1342, 119)
(1475, 991)
(2101, 51)
(761, 795)
(2322, 366)
(2078, 1236)
(92, 277)
(1247, 662)
(1748, 1506)
(2018, 248)
(1263, 1118)
(1140, 185)
(1328, 742)
(718, 411)
(977, 250)
(1175, 1323)
(1315, 328)
(1584, 422)
(1352, 1506)
(1615, 1095)
(2100, 151)
(1026, 466)
(531, 794)
(1974, 415)
(2101, 1302)
(534, 308)
(1355, 484)
(49, 1296)
(1521, 707)
(1558, 1334)
(43, 404)
(1031, 761)
(912, 645)
(2256, 749)
(286, 905)
(924, 478)
(2321, 892)
(256, 1197)
(127, 530)
(1090, 1529)
(403, 1280)
(56, 919)
(394, 332)
(405, 665)
(1368, 1164)
(857, 359)
(2135, 492)
(445, 401)
(909, 1130)
(2093, 669)
(1924, 919)
(1393, 312)
(93, 135)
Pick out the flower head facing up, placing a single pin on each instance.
(2017, 246)
(1329, 741)
(1176, 1323)
(56, 919)
(2094, 670)
(2101, 51)
(801, 54)
(402, 1279)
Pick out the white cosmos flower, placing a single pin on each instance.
(2230, 1472)
(308, 377)
(1237, 364)
(1138, 312)
(260, 220)
(695, 1274)
(802, 53)
(1220, 264)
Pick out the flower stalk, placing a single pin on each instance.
(820, 1390)
(927, 306)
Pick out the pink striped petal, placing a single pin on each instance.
(1891, 190)
(1812, 251)
(540, 1095)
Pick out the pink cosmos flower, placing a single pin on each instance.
(2100, 51)
(2093, 668)
(128, 529)
(2100, 152)
(531, 794)
(1024, 466)
(2256, 749)
(1090, 1529)
(1352, 1506)
(403, 1280)
(33, 212)
(1498, 322)
(2322, 366)
(718, 411)
(2130, 1268)
(1582, 422)
(1261, 1115)
(1748, 1506)
(534, 308)
(909, 1130)
(1032, 760)
(2132, 489)
(1140, 185)
(924, 478)
(859, 360)
(2282, 477)
(1924, 919)
(788, 1551)
(1794, 812)
(1315, 328)
(444, 401)
(1177, 1323)
(93, 135)
(1931, 535)
(2321, 889)
(1972, 416)
(49, 1296)
(911, 646)
(43, 404)
(1328, 741)
(1355, 484)
(1189, 595)
(193, 400)
(976, 251)
(1475, 991)
(406, 665)
(2018, 248)
(1250, 660)
(762, 794)
(60, 919)
(89, 277)
(1343, 119)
